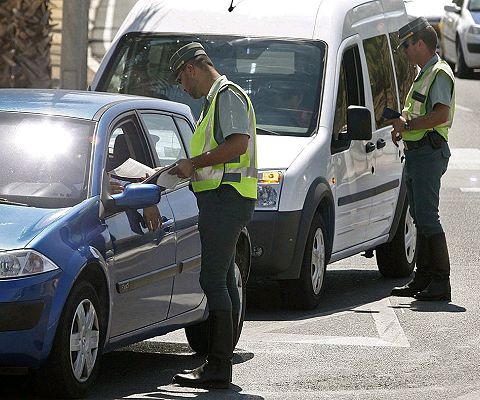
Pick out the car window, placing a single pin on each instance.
(186, 132)
(350, 92)
(46, 160)
(382, 80)
(164, 137)
(404, 69)
(127, 141)
(474, 5)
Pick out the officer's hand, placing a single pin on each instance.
(183, 169)
(152, 218)
(115, 187)
(398, 128)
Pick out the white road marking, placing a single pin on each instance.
(464, 159)
(462, 108)
(390, 332)
(470, 190)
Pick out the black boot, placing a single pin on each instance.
(422, 276)
(216, 373)
(235, 332)
(439, 288)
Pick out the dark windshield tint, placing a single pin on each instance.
(47, 161)
(282, 77)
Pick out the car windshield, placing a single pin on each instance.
(45, 161)
(474, 5)
(282, 77)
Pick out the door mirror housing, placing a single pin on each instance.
(359, 124)
(136, 196)
(452, 8)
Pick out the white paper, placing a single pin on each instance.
(132, 169)
(163, 178)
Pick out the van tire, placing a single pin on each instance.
(396, 259)
(306, 291)
(59, 368)
(197, 335)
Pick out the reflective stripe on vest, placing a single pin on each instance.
(240, 173)
(416, 101)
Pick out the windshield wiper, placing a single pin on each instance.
(13, 203)
(267, 132)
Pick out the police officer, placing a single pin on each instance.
(424, 125)
(223, 173)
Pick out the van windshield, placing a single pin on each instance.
(282, 77)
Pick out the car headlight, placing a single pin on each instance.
(21, 263)
(268, 189)
(474, 29)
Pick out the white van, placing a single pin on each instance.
(319, 74)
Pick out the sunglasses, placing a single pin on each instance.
(407, 43)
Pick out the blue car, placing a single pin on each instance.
(81, 270)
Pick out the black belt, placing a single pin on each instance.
(411, 145)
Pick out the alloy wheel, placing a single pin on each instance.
(317, 264)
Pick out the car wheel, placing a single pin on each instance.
(461, 68)
(396, 259)
(305, 292)
(74, 360)
(197, 335)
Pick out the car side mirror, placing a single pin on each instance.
(136, 196)
(359, 124)
(452, 8)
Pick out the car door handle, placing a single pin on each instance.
(167, 223)
(381, 143)
(369, 147)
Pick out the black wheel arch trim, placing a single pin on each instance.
(402, 198)
(318, 192)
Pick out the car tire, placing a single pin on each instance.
(197, 335)
(306, 291)
(73, 371)
(396, 259)
(461, 68)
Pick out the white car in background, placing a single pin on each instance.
(432, 10)
(460, 43)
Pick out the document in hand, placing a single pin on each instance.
(132, 169)
(162, 178)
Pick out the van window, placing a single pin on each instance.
(405, 70)
(283, 77)
(350, 92)
(382, 80)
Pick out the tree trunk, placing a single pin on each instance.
(25, 40)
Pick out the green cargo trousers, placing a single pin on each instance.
(223, 213)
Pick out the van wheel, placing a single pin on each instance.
(74, 361)
(197, 335)
(461, 68)
(396, 259)
(306, 291)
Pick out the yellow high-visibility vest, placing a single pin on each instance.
(416, 101)
(240, 173)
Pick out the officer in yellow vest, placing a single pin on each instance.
(427, 117)
(223, 172)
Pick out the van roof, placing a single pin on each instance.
(301, 19)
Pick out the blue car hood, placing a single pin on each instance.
(476, 16)
(19, 225)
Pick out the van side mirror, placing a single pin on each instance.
(135, 196)
(452, 8)
(359, 123)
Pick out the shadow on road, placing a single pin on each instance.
(144, 370)
(345, 289)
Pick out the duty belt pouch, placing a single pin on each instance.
(435, 139)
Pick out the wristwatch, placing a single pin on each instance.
(407, 126)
